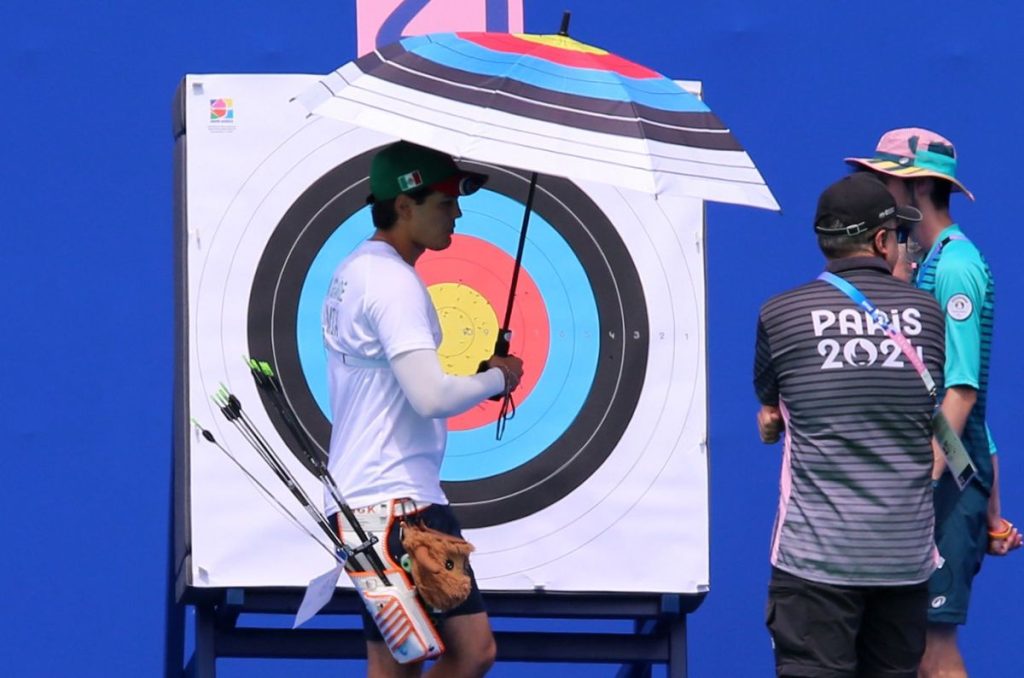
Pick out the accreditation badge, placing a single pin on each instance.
(958, 461)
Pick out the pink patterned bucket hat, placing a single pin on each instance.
(912, 152)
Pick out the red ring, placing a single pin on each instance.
(487, 269)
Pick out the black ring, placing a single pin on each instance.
(622, 359)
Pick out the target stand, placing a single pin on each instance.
(657, 636)
(606, 454)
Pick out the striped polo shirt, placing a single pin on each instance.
(956, 274)
(855, 503)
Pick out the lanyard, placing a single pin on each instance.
(936, 251)
(958, 460)
(882, 320)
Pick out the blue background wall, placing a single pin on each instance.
(87, 273)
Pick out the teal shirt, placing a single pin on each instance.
(958, 276)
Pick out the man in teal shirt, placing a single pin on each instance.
(919, 168)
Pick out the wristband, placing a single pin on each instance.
(1004, 533)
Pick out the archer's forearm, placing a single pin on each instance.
(957, 405)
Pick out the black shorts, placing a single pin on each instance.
(828, 631)
(442, 518)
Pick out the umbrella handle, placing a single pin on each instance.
(501, 347)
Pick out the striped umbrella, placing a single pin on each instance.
(548, 104)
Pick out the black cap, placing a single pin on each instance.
(857, 203)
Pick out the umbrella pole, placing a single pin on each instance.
(501, 346)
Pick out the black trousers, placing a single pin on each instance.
(827, 631)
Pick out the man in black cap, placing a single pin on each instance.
(846, 367)
(390, 399)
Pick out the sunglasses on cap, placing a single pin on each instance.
(460, 184)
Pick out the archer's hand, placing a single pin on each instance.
(769, 424)
(511, 366)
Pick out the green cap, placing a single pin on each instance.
(404, 166)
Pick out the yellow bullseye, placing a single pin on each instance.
(469, 324)
(562, 42)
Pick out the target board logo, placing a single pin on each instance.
(222, 111)
(580, 324)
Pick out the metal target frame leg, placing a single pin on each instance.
(677, 662)
(203, 663)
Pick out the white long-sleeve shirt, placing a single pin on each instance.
(389, 396)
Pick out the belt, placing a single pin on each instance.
(396, 507)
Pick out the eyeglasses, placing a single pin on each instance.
(903, 230)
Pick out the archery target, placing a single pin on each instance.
(607, 445)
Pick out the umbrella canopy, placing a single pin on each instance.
(545, 103)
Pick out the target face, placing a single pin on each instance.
(579, 324)
(607, 446)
